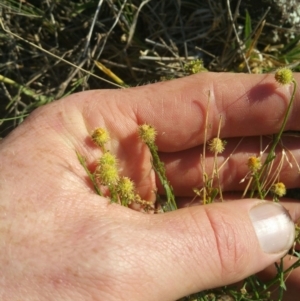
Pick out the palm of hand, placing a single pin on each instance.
(64, 242)
(56, 212)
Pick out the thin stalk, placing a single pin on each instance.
(82, 161)
(159, 168)
(271, 154)
(257, 183)
(41, 99)
(204, 149)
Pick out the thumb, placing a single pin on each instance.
(214, 245)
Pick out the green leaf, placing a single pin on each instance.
(248, 30)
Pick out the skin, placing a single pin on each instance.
(60, 241)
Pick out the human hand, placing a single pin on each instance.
(61, 241)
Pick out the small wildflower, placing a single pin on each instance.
(126, 189)
(146, 205)
(284, 76)
(194, 66)
(147, 133)
(107, 171)
(216, 145)
(254, 164)
(279, 189)
(108, 159)
(107, 174)
(100, 136)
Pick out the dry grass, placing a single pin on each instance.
(49, 48)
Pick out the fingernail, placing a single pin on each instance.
(273, 226)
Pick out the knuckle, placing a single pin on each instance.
(228, 242)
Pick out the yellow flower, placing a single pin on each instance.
(108, 158)
(216, 145)
(194, 66)
(254, 164)
(107, 170)
(284, 76)
(147, 133)
(126, 189)
(279, 189)
(107, 174)
(100, 136)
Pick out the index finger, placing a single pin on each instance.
(249, 105)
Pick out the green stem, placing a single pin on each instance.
(256, 179)
(40, 99)
(113, 194)
(82, 161)
(280, 276)
(271, 154)
(159, 168)
(282, 286)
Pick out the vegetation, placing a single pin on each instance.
(50, 49)
(262, 179)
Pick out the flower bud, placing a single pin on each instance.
(100, 136)
(284, 76)
(147, 133)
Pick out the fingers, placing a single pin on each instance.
(291, 205)
(203, 247)
(185, 169)
(249, 105)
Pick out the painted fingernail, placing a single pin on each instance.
(273, 226)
